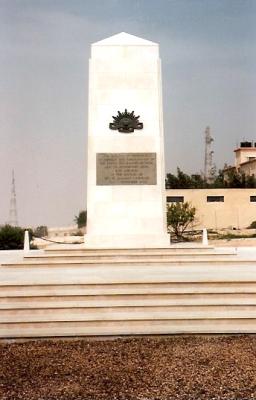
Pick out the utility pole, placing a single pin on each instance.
(208, 157)
(13, 216)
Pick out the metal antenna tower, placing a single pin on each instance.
(208, 157)
(13, 216)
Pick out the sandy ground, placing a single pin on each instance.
(234, 242)
(143, 368)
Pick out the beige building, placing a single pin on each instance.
(245, 159)
(62, 231)
(218, 208)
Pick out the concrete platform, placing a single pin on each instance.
(74, 292)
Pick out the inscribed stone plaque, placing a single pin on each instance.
(126, 168)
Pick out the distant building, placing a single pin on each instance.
(64, 231)
(218, 208)
(245, 160)
(224, 208)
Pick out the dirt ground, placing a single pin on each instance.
(145, 368)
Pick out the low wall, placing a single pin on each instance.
(237, 210)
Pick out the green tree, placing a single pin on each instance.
(219, 181)
(179, 217)
(81, 219)
(197, 182)
(250, 181)
(171, 181)
(184, 181)
(233, 179)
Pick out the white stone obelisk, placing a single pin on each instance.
(126, 206)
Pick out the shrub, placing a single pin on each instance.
(252, 225)
(81, 219)
(179, 217)
(12, 238)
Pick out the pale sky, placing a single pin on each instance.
(209, 62)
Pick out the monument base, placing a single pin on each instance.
(127, 241)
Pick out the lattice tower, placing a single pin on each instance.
(208, 158)
(13, 215)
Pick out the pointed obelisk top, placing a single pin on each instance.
(124, 39)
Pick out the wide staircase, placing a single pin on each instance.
(77, 291)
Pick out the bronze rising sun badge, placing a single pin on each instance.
(126, 122)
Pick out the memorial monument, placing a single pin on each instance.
(126, 206)
(76, 291)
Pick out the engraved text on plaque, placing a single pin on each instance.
(126, 168)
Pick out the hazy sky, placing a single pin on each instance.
(209, 62)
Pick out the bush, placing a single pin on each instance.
(253, 225)
(12, 238)
(81, 219)
(179, 217)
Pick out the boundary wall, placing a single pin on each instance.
(237, 210)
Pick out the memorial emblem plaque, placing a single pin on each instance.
(126, 169)
(126, 122)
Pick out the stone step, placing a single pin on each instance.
(138, 256)
(129, 313)
(187, 247)
(29, 291)
(134, 262)
(156, 300)
(204, 294)
(129, 327)
(49, 274)
(172, 249)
